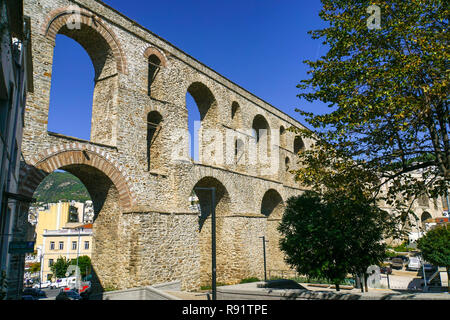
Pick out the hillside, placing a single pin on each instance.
(61, 186)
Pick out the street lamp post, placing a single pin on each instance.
(264, 253)
(78, 254)
(213, 239)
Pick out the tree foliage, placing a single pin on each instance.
(330, 235)
(84, 263)
(435, 246)
(387, 90)
(59, 268)
(35, 267)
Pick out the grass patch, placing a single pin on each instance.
(208, 287)
(249, 280)
(348, 281)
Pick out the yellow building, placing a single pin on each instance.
(69, 243)
(56, 216)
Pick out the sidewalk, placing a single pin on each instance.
(250, 291)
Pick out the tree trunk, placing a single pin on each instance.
(365, 283)
(361, 282)
(337, 287)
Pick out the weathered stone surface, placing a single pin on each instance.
(146, 231)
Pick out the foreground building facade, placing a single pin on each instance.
(15, 82)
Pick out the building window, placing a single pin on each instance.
(86, 245)
(61, 245)
(50, 262)
(74, 245)
(52, 245)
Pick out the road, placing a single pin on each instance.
(51, 293)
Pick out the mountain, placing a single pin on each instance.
(61, 186)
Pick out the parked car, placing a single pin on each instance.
(414, 264)
(35, 292)
(68, 295)
(397, 263)
(64, 282)
(27, 297)
(405, 259)
(42, 285)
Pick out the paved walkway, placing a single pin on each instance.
(373, 293)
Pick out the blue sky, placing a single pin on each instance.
(258, 44)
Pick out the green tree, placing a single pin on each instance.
(330, 235)
(435, 247)
(35, 267)
(387, 90)
(84, 263)
(59, 268)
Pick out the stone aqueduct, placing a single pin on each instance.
(146, 230)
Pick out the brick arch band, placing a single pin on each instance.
(153, 51)
(60, 17)
(34, 172)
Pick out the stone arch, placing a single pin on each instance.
(155, 62)
(111, 196)
(424, 217)
(42, 165)
(287, 164)
(208, 112)
(107, 58)
(299, 145)
(272, 206)
(151, 51)
(60, 17)
(282, 137)
(236, 115)
(205, 100)
(225, 244)
(260, 126)
(262, 143)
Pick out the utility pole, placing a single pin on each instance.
(78, 254)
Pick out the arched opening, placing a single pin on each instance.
(62, 204)
(287, 164)
(72, 88)
(236, 116)
(299, 145)
(261, 129)
(109, 195)
(272, 206)
(154, 65)
(282, 137)
(424, 217)
(261, 135)
(105, 85)
(224, 243)
(154, 140)
(202, 114)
